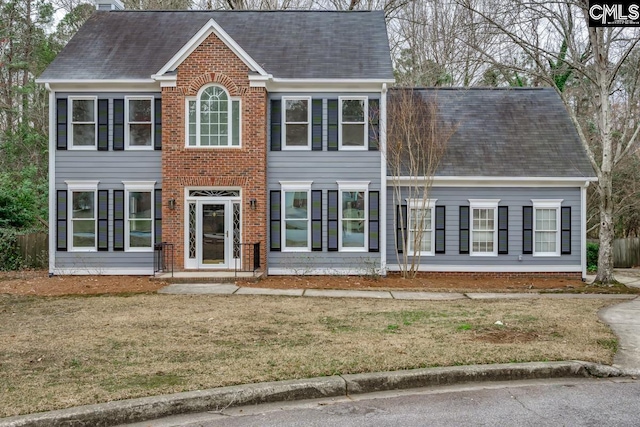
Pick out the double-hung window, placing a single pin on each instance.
(296, 229)
(484, 219)
(420, 229)
(296, 129)
(139, 215)
(83, 113)
(213, 119)
(353, 123)
(82, 212)
(139, 114)
(353, 215)
(546, 220)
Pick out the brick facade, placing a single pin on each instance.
(245, 167)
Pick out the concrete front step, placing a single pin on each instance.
(208, 276)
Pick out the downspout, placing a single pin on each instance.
(583, 229)
(383, 180)
(52, 179)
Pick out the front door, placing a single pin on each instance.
(214, 234)
(212, 229)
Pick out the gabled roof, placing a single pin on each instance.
(511, 132)
(129, 45)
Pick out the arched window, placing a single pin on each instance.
(213, 119)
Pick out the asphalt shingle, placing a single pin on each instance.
(523, 132)
(288, 44)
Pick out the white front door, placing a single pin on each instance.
(212, 229)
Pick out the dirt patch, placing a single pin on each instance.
(38, 282)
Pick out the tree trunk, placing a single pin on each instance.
(605, 254)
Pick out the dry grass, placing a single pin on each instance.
(67, 351)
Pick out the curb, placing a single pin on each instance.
(218, 399)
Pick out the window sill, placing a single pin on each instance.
(356, 250)
(139, 250)
(139, 148)
(295, 148)
(83, 148)
(353, 148)
(295, 250)
(485, 254)
(82, 250)
(546, 254)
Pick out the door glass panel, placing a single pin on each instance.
(213, 234)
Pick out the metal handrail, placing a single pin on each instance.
(163, 258)
(246, 257)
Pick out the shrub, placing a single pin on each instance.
(10, 258)
(592, 256)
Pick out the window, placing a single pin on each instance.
(213, 119)
(83, 208)
(139, 114)
(483, 227)
(546, 219)
(83, 122)
(139, 216)
(296, 123)
(353, 123)
(353, 200)
(296, 232)
(421, 218)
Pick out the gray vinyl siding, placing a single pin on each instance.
(110, 168)
(324, 168)
(515, 199)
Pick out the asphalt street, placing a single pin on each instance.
(563, 402)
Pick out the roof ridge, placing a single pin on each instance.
(460, 88)
(244, 11)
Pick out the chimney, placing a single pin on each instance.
(109, 5)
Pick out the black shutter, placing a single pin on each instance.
(316, 220)
(332, 125)
(103, 220)
(332, 220)
(503, 229)
(276, 126)
(527, 229)
(157, 214)
(565, 224)
(401, 227)
(374, 221)
(61, 124)
(374, 124)
(118, 220)
(464, 229)
(118, 124)
(275, 227)
(157, 124)
(440, 242)
(103, 125)
(316, 129)
(61, 220)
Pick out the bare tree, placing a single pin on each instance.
(417, 137)
(561, 50)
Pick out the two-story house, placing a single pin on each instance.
(246, 138)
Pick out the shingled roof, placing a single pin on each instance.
(523, 132)
(287, 44)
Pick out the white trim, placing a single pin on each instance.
(103, 271)
(429, 204)
(365, 139)
(70, 123)
(283, 121)
(383, 176)
(275, 84)
(279, 271)
(354, 186)
(289, 187)
(488, 204)
(53, 224)
(583, 229)
(484, 181)
(140, 187)
(210, 27)
(127, 131)
(494, 268)
(107, 86)
(81, 187)
(546, 204)
(94, 81)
